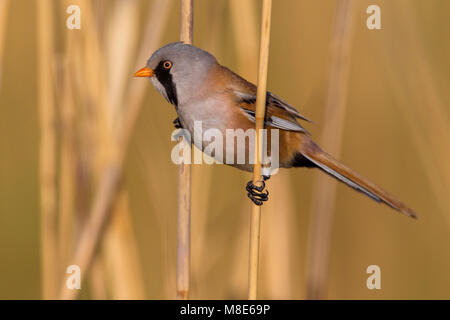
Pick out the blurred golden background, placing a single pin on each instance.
(379, 100)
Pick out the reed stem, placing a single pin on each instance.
(184, 182)
(255, 223)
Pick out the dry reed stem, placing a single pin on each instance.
(47, 147)
(110, 179)
(187, 21)
(276, 257)
(184, 182)
(4, 4)
(201, 177)
(245, 33)
(324, 194)
(255, 223)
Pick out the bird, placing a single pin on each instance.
(201, 89)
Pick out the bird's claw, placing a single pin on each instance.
(177, 123)
(256, 193)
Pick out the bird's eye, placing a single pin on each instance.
(167, 65)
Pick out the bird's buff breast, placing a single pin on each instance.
(206, 118)
(207, 114)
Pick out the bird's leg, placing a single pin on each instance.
(257, 193)
(177, 123)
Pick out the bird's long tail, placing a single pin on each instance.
(328, 164)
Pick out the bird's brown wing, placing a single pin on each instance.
(279, 114)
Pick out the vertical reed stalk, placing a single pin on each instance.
(244, 20)
(184, 182)
(324, 196)
(47, 162)
(255, 223)
(276, 256)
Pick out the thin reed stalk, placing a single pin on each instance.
(276, 256)
(47, 163)
(109, 181)
(255, 222)
(245, 34)
(324, 194)
(184, 181)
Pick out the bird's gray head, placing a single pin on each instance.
(177, 70)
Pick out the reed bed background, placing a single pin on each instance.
(72, 114)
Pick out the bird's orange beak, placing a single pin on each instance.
(144, 72)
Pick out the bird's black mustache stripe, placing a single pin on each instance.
(165, 78)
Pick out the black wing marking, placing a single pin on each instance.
(271, 99)
(276, 122)
(272, 120)
(278, 102)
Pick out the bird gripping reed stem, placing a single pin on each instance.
(255, 223)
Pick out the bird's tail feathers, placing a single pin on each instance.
(331, 166)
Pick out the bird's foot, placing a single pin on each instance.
(177, 123)
(257, 193)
